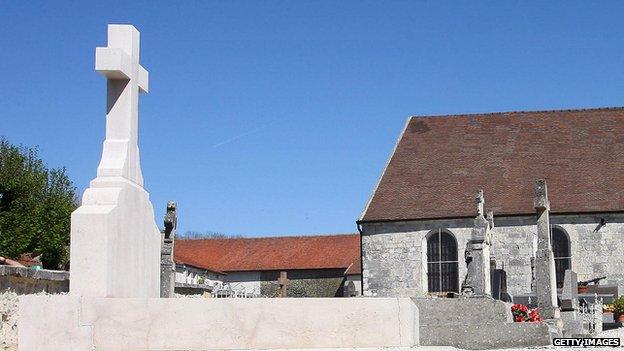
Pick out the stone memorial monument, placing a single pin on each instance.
(167, 264)
(545, 283)
(478, 280)
(115, 242)
(114, 301)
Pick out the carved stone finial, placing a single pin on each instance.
(171, 220)
(479, 200)
(541, 195)
(490, 218)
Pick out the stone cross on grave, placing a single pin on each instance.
(119, 63)
(115, 243)
(545, 282)
(282, 281)
(477, 282)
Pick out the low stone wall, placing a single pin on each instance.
(73, 323)
(22, 280)
(475, 324)
(304, 283)
(191, 289)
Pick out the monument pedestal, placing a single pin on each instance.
(66, 322)
(167, 269)
(115, 243)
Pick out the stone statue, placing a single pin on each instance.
(167, 264)
(477, 255)
(171, 220)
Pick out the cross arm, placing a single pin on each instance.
(114, 63)
(143, 79)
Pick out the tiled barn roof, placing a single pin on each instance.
(440, 162)
(274, 253)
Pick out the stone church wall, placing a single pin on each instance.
(394, 254)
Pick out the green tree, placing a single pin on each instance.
(35, 206)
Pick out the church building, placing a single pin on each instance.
(419, 217)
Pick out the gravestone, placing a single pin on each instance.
(569, 292)
(349, 289)
(570, 315)
(167, 265)
(499, 286)
(545, 283)
(115, 243)
(477, 281)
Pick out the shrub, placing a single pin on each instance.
(618, 306)
(35, 206)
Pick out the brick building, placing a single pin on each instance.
(417, 222)
(316, 266)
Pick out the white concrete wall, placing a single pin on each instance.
(247, 281)
(73, 323)
(394, 253)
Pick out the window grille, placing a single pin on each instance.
(561, 250)
(442, 265)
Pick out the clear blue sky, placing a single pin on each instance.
(269, 118)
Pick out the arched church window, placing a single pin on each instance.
(442, 266)
(561, 250)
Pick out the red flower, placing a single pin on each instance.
(535, 316)
(521, 313)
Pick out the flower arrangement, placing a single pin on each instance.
(522, 313)
(618, 309)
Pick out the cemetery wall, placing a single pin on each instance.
(394, 253)
(23, 280)
(305, 283)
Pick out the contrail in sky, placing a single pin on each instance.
(253, 131)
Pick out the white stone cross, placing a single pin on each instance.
(119, 63)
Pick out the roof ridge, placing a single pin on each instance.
(302, 236)
(519, 111)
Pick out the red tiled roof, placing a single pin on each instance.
(276, 253)
(440, 162)
(190, 261)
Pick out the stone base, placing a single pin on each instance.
(572, 324)
(486, 336)
(555, 327)
(115, 243)
(75, 323)
(476, 324)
